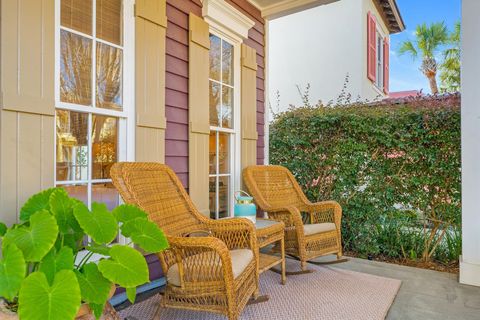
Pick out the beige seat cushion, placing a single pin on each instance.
(310, 229)
(240, 260)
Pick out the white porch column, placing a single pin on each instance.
(470, 259)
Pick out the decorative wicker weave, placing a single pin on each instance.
(276, 192)
(206, 277)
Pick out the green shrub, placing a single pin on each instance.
(395, 169)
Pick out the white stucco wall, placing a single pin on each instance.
(320, 47)
(470, 260)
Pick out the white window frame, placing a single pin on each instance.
(379, 59)
(126, 117)
(235, 139)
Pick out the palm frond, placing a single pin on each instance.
(408, 46)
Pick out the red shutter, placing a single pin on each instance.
(386, 66)
(372, 47)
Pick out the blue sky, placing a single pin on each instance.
(404, 73)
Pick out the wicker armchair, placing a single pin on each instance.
(211, 265)
(311, 229)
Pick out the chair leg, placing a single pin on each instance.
(303, 265)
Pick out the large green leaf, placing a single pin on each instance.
(35, 240)
(127, 212)
(37, 202)
(131, 294)
(3, 229)
(145, 234)
(126, 267)
(12, 271)
(71, 240)
(99, 224)
(61, 205)
(102, 249)
(93, 285)
(97, 309)
(40, 301)
(55, 261)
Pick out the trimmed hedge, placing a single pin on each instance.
(395, 169)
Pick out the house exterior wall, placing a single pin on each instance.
(27, 93)
(320, 47)
(176, 140)
(368, 89)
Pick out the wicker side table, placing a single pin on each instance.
(269, 232)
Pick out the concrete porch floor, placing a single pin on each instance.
(424, 294)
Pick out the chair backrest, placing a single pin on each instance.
(273, 186)
(155, 188)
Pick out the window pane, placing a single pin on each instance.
(213, 152)
(77, 191)
(104, 145)
(224, 152)
(227, 107)
(215, 52)
(109, 77)
(72, 146)
(109, 20)
(227, 63)
(223, 197)
(77, 15)
(212, 197)
(214, 103)
(75, 69)
(105, 193)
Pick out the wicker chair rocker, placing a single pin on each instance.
(311, 229)
(210, 265)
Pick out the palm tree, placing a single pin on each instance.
(427, 43)
(450, 68)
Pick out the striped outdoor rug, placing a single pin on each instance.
(326, 294)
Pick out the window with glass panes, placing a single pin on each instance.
(222, 131)
(91, 116)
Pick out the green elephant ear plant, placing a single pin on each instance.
(46, 268)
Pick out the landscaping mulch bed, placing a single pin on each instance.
(431, 265)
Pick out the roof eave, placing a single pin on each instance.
(392, 16)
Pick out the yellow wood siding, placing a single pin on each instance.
(27, 56)
(198, 112)
(150, 33)
(27, 102)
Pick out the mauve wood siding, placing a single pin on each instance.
(176, 79)
(176, 99)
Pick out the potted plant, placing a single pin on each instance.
(46, 262)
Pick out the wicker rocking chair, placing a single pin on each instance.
(311, 229)
(210, 265)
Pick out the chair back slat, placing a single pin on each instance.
(156, 189)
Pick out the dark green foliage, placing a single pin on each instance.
(394, 169)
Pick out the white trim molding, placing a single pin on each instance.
(219, 12)
(469, 273)
(470, 260)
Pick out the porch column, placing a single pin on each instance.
(470, 259)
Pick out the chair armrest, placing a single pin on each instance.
(290, 215)
(236, 233)
(195, 259)
(325, 211)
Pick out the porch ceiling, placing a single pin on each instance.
(272, 9)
